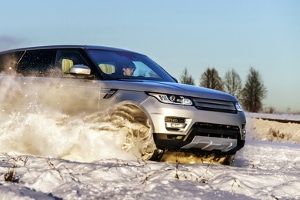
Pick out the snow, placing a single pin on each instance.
(62, 158)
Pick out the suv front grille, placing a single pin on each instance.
(214, 105)
(215, 130)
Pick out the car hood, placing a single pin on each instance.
(169, 88)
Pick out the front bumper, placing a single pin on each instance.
(203, 131)
(203, 137)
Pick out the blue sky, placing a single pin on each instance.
(194, 34)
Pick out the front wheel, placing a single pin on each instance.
(139, 141)
(138, 133)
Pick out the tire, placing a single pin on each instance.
(138, 133)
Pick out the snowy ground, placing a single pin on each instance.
(54, 165)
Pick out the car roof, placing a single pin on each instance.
(67, 47)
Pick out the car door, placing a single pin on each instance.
(48, 84)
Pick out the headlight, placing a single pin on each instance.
(238, 106)
(172, 99)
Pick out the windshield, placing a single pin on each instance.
(128, 65)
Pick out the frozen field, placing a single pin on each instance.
(72, 160)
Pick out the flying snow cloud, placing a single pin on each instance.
(33, 122)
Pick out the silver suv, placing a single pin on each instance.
(181, 118)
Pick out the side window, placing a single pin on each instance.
(37, 63)
(143, 70)
(8, 62)
(66, 58)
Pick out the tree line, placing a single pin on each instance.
(250, 95)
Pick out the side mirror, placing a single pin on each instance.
(80, 70)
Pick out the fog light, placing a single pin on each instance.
(243, 131)
(175, 123)
(172, 125)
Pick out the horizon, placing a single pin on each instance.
(195, 35)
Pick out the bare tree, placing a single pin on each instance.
(253, 92)
(185, 78)
(233, 83)
(211, 79)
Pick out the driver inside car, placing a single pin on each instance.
(129, 70)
